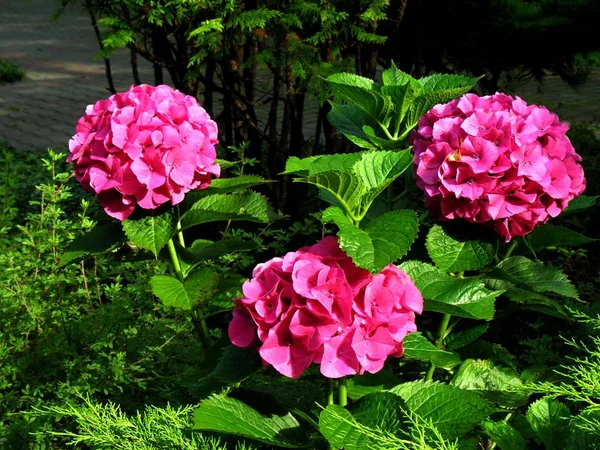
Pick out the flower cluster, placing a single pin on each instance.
(146, 146)
(315, 305)
(496, 159)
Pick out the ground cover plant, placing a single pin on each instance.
(168, 309)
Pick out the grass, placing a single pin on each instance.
(10, 72)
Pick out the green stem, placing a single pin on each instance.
(343, 391)
(197, 317)
(175, 260)
(330, 392)
(512, 247)
(386, 132)
(439, 342)
(180, 234)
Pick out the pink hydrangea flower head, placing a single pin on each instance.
(145, 147)
(316, 306)
(496, 160)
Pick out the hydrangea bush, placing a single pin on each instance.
(369, 292)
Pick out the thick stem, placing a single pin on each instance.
(511, 249)
(439, 342)
(343, 391)
(175, 260)
(330, 392)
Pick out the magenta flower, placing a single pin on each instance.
(147, 146)
(316, 306)
(496, 160)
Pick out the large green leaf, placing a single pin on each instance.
(501, 385)
(342, 430)
(550, 420)
(228, 415)
(504, 435)
(534, 276)
(453, 411)
(200, 285)
(381, 410)
(368, 383)
(555, 236)
(98, 240)
(384, 240)
(350, 120)
(459, 339)
(453, 254)
(345, 187)
(343, 162)
(447, 82)
(402, 97)
(416, 346)
(237, 206)
(151, 232)
(361, 92)
(463, 297)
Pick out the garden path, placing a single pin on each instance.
(63, 77)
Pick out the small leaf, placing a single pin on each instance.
(202, 249)
(98, 240)
(579, 203)
(350, 120)
(416, 346)
(368, 383)
(384, 240)
(504, 435)
(463, 297)
(151, 232)
(361, 92)
(395, 77)
(501, 385)
(228, 415)
(550, 420)
(237, 206)
(456, 254)
(534, 276)
(459, 339)
(197, 287)
(236, 364)
(555, 236)
(453, 411)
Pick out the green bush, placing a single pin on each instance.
(10, 72)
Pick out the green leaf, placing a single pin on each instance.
(381, 411)
(395, 77)
(501, 385)
(481, 349)
(555, 236)
(504, 435)
(98, 240)
(350, 120)
(289, 393)
(342, 430)
(378, 169)
(230, 416)
(550, 420)
(384, 240)
(368, 383)
(416, 346)
(342, 162)
(461, 338)
(361, 92)
(453, 411)
(462, 297)
(151, 232)
(447, 82)
(202, 249)
(402, 98)
(534, 276)
(580, 203)
(236, 364)
(197, 287)
(224, 185)
(345, 187)
(456, 254)
(237, 206)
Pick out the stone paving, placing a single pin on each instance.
(63, 78)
